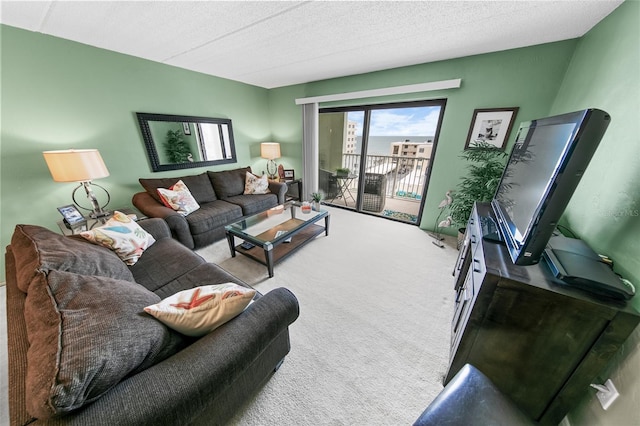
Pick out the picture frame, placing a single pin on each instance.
(185, 128)
(71, 215)
(491, 125)
(289, 174)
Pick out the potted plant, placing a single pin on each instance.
(342, 172)
(316, 197)
(176, 147)
(487, 163)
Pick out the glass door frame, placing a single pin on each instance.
(367, 108)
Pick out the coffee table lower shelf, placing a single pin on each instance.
(282, 250)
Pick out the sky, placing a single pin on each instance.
(418, 121)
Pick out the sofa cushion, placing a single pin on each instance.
(38, 249)
(228, 183)
(200, 310)
(122, 235)
(86, 334)
(256, 184)
(256, 203)
(213, 215)
(165, 261)
(199, 186)
(179, 198)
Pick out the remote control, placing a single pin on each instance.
(246, 245)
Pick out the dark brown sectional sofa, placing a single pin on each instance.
(221, 199)
(71, 303)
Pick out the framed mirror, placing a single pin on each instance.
(181, 142)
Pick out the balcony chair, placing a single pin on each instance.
(328, 184)
(375, 192)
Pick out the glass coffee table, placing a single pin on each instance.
(262, 240)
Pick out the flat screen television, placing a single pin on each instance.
(546, 164)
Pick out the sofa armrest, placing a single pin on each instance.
(280, 189)
(157, 227)
(177, 223)
(182, 388)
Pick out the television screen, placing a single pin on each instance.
(544, 168)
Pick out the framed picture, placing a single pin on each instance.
(289, 174)
(71, 214)
(186, 129)
(492, 126)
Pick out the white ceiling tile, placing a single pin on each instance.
(279, 43)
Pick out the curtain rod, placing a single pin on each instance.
(397, 90)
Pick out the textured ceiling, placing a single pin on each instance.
(280, 43)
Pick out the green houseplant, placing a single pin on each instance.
(316, 197)
(176, 148)
(486, 164)
(342, 172)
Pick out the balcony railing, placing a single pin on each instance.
(406, 175)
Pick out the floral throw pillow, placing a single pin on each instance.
(200, 310)
(256, 185)
(179, 198)
(122, 235)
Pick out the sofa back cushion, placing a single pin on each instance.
(38, 249)
(199, 186)
(229, 183)
(86, 334)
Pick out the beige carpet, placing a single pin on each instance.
(371, 344)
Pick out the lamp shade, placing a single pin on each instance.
(270, 150)
(75, 165)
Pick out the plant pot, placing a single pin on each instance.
(315, 205)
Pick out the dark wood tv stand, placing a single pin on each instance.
(540, 341)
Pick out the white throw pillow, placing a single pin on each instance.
(179, 198)
(256, 185)
(122, 235)
(200, 310)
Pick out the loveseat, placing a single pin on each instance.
(221, 198)
(71, 303)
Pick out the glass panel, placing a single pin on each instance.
(396, 143)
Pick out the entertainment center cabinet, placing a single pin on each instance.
(540, 341)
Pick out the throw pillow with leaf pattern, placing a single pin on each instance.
(256, 185)
(122, 235)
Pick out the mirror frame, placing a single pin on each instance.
(152, 150)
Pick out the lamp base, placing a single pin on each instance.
(96, 212)
(272, 170)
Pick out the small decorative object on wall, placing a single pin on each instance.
(289, 174)
(491, 126)
(185, 128)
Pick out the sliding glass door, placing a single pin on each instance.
(377, 158)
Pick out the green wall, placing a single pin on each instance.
(528, 78)
(58, 94)
(605, 209)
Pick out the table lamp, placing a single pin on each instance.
(80, 165)
(271, 151)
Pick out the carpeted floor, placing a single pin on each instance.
(371, 344)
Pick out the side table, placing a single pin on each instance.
(92, 223)
(294, 191)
